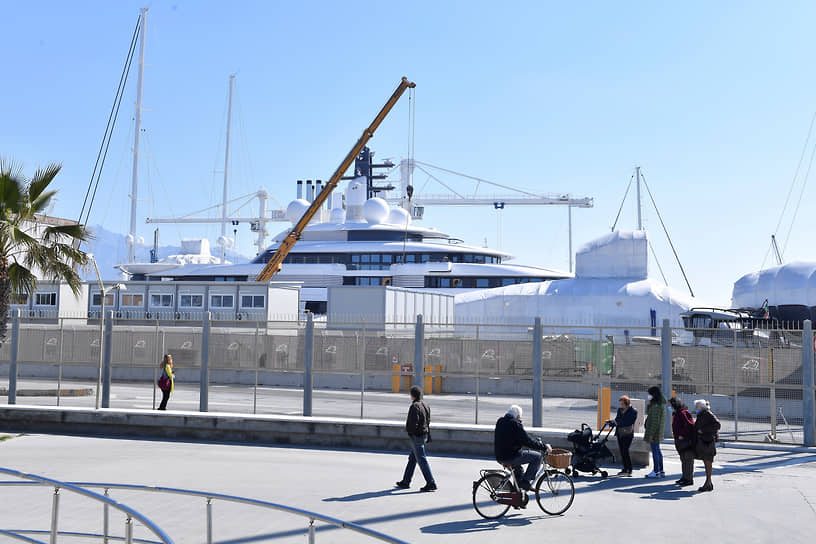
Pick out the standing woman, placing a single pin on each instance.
(706, 428)
(166, 380)
(683, 431)
(624, 424)
(655, 423)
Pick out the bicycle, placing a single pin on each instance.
(497, 490)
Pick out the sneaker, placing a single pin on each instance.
(661, 474)
(428, 487)
(686, 483)
(625, 473)
(402, 485)
(653, 474)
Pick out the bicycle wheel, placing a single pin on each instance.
(554, 492)
(484, 496)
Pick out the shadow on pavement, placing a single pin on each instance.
(477, 525)
(366, 495)
(661, 492)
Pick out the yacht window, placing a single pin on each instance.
(161, 301)
(252, 301)
(133, 300)
(365, 258)
(191, 301)
(507, 281)
(45, 299)
(479, 259)
(387, 259)
(410, 258)
(482, 283)
(221, 301)
(355, 258)
(96, 300)
(19, 298)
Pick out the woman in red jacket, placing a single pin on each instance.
(683, 431)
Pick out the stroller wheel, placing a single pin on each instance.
(567, 471)
(604, 474)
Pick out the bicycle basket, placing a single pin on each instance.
(559, 458)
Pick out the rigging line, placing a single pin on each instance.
(161, 180)
(114, 107)
(662, 275)
(666, 231)
(115, 177)
(796, 173)
(479, 179)
(441, 182)
(625, 194)
(236, 199)
(799, 203)
(413, 125)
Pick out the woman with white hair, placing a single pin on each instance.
(705, 428)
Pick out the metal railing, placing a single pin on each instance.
(210, 497)
(130, 513)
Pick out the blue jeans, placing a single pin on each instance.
(657, 456)
(417, 455)
(526, 456)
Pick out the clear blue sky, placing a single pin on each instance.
(713, 100)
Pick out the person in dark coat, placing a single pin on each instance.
(683, 431)
(510, 446)
(418, 428)
(624, 424)
(706, 428)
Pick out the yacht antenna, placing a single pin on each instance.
(134, 189)
(226, 174)
(777, 254)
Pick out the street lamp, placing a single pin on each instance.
(102, 293)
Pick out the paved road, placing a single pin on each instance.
(760, 496)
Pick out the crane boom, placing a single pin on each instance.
(276, 261)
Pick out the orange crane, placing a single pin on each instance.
(274, 264)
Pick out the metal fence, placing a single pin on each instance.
(753, 379)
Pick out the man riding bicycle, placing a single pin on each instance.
(511, 443)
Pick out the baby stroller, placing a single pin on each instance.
(588, 450)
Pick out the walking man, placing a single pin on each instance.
(417, 426)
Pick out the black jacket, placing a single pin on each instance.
(419, 418)
(510, 437)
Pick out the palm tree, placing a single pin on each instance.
(52, 253)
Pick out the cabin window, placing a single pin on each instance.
(96, 300)
(161, 300)
(221, 301)
(19, 298)
(133, 300)
(45, 299)
(191, 301)
(252, 301)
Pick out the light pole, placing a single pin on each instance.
(102, 293)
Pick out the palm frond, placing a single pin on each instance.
(42, 179)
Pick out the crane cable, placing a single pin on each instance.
(411, 133)
(106, 138)
(665, 230)
(623, 202)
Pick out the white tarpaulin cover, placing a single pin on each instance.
(792, 283)
(610, 288)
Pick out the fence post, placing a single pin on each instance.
(106, 361)
(537, 374)
(419, 350)
(15, 349)
(54, 516)
(807, 384)
(204, 379)
(308, 360)
(666, 370)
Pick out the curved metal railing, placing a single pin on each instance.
(210, 497)
(129, 512)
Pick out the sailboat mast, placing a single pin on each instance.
(226, 174)
(134, 189)
(640, 219)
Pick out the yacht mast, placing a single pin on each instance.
(134, 189)
(224, 218)
(637, 176)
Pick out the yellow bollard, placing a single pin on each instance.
(437, 381)
(604, 405)
(395, 378)
(428, 385)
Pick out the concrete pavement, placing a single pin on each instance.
(760, 496)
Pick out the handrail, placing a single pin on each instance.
(312, 516)
(128, 511)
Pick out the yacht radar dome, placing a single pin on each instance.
(399, 216)
(296, 209)
(338, 215)
(375, 210)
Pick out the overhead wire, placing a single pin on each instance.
(666, 231)
(106, 138)
(625, 194)
(799, 202)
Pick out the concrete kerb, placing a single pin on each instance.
(76, 392)
(448, 438)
